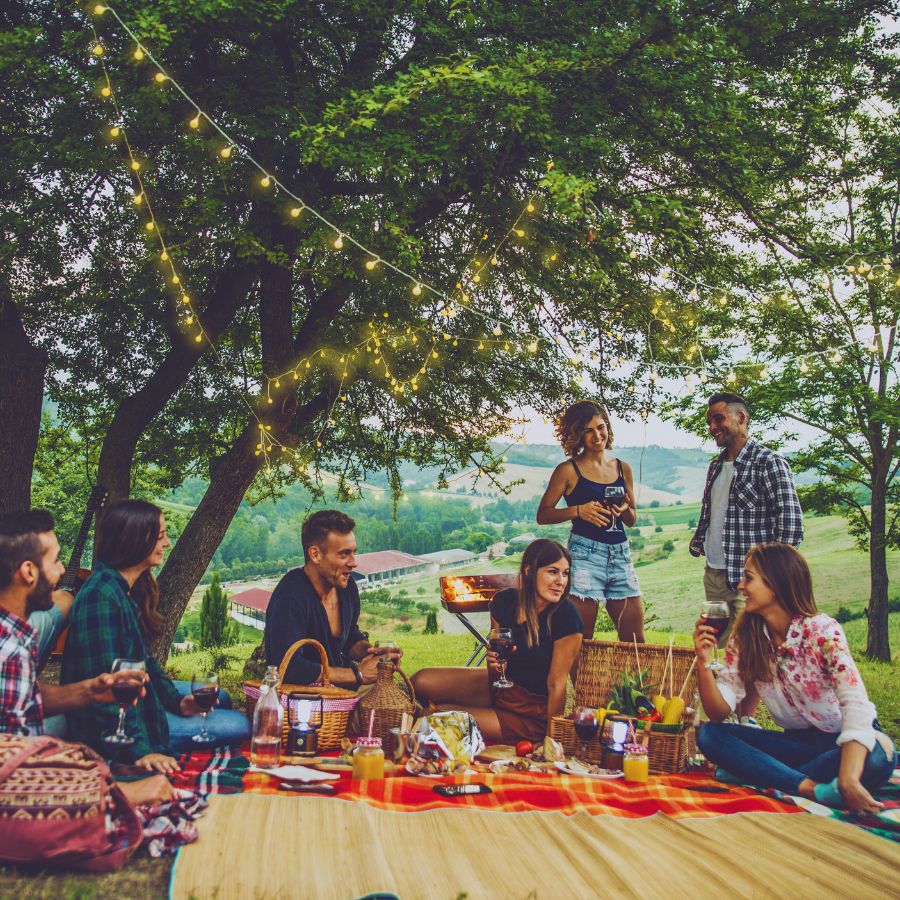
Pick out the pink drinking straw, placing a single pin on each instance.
(371, 722)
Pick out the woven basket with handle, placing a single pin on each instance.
(387, 700)
(338, 702)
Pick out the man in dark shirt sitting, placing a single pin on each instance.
(321, 601)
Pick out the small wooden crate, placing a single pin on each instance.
(667, 753)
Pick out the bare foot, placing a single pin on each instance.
(806, 788)
(155, 789)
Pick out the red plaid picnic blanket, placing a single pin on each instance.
(675, 795)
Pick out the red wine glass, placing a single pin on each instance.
(613, 495)
(717, 616)
(205, 690)
(502, 643)
(126, 691)
(586, 727)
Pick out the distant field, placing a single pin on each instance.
(679, 514)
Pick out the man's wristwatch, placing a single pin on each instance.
(359, 679)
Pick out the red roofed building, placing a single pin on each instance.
(384, 565)
(249, 607)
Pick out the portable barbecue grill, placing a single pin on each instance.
(461, 594)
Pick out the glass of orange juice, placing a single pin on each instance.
(636, 763)
(368, 759)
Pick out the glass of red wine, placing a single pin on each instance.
(502, 643)
(717, 617)
(205, 690)
(126, 691)
(586, 727)
(613, 495)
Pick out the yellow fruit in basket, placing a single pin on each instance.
(659, 701)
(673, 711)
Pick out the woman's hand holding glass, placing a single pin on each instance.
(704, 640)
(594, 512)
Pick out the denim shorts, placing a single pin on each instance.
(602, 571)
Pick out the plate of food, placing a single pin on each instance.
(587, 770)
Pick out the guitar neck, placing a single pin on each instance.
(95, 504)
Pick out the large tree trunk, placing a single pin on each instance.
(878, 645)
(204, 532)
(22, 369)
(138, 410)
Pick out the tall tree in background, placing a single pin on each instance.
(422, 129)
(821, 351)
(216, 628)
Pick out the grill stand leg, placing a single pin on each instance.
(478, 655)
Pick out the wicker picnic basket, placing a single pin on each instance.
(338, 703)
(599, 666)
(387, 700)
(668, 753)
(600, 662)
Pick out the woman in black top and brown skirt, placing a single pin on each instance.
(546, 635)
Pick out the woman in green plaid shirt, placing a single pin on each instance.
(115, 617)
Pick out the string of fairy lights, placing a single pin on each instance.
(380, 338)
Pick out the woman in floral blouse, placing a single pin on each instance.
(796, 659)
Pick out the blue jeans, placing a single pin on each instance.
(781, 760)
(224, 724)
(602, 571)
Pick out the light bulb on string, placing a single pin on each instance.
(105, 91)
(138, 53)
(98, 50)
(295, 212)
(115, 131)
(496, 331)
(417, 289)
(137, 199)
(530, 207)
(164, 256)
(265, 181)
(99, 9)
(225, 152)
(371, 264)
(160, 77)
(135, 165)
(195, 122)
(338, 242)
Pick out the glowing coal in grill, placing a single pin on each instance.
(473, 593)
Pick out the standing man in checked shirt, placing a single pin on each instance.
(749, 499)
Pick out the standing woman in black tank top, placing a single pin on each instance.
(602, 571)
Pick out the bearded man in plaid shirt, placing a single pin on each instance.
(749, 499)
(30, 569)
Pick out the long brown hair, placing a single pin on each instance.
(540, 553)
(785, 572)
(126, 535)
(571, 424)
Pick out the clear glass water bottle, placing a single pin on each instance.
(267, 723)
